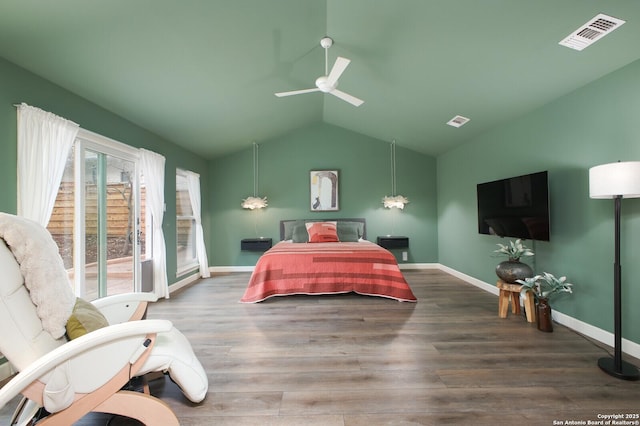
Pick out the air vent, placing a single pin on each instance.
(458, 121)
(591, 32)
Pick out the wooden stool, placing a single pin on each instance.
(512, 292)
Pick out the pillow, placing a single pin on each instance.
(322, 232)
(84, 319)
(300, 234)
(288, 226)
(349, 232)
(43, 269)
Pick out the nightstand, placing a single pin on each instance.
(255, 244)
(392, 242)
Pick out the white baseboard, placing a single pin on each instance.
(410, 266)
(183, 282)
(231, 269)
(471, 280)
(602, 336)
(228, 269)
(581, 327)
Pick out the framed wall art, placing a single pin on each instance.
(323, 187)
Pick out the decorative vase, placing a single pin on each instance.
(512, 270)
(543, 317)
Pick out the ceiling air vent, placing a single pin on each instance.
(592, 31)
(458, 121)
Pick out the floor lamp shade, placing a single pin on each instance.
(616, 180)
(613, 179)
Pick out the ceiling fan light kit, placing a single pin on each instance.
(328, 82)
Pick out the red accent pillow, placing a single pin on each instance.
(322, 232)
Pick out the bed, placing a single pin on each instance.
(326, 257)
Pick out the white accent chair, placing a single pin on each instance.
(72, 378)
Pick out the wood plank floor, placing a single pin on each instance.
(352, 360)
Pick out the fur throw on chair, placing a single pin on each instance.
(43, 270)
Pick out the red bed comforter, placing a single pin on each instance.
(327, 268)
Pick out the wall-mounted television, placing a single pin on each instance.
(516, 207)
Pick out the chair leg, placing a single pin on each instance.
(25, 411)
(85, 403)
(150, 377)
(145, 408)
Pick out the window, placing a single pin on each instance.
(187, 259)
(98, 220)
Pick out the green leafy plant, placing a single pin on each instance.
(543, 286)
(514, 250)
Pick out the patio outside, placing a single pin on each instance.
(119, 236)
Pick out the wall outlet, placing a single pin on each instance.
(405, 256)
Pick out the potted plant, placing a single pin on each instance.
(512, 270)
(542, 287)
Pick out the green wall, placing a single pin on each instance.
(18, 85)
(364, 178)
(594, 125)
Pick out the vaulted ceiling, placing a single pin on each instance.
(203, 73)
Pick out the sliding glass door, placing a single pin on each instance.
(100, 243)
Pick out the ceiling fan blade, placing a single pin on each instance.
(337, 70)
(297, 92)
(347, 97)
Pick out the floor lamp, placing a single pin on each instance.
(616, 180)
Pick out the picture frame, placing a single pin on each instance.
(324, 190)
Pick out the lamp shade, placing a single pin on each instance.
(615, 179)
(397, 201)
(253, 203)
(394, 200)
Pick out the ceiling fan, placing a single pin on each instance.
(328, 82)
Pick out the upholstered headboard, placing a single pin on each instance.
(286, 226)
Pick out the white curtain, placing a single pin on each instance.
(153, 170)
(193, 183)
(44, 142)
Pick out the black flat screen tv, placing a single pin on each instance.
(516, 207)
